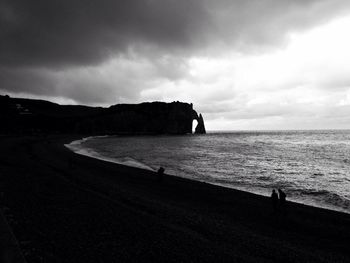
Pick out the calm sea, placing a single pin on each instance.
(311, 166)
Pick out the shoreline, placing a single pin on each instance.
(110, 212)
(92, 154)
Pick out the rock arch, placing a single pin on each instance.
(200, 128)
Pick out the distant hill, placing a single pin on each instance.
(23, 116)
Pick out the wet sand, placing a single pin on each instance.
(65, 207)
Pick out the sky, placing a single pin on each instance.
(245, 65)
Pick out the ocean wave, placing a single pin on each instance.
(77, 143)
(313, 192)
(317, 174)
(264, 178)
(128, 161)
(326, 198)
(338, 201)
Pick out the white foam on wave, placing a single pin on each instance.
(78, 147)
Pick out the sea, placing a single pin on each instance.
(312, 167)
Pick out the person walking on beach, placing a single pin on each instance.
(282, 199)
(274, 199)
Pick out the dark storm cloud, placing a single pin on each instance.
(120, 81)
(62, 32)
(45, 46)
(70, 32)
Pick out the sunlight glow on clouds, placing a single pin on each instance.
(307, 79)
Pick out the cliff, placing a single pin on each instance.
(200, 129)
(38, 116)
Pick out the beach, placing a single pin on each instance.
(65, 207)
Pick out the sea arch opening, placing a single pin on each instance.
(194, 125)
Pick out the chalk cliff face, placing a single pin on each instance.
(25, 115)
(146, 118)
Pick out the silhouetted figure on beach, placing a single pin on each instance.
(274, 200)
(282, 199)
(160, 174)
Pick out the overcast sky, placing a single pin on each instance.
(258, 64)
